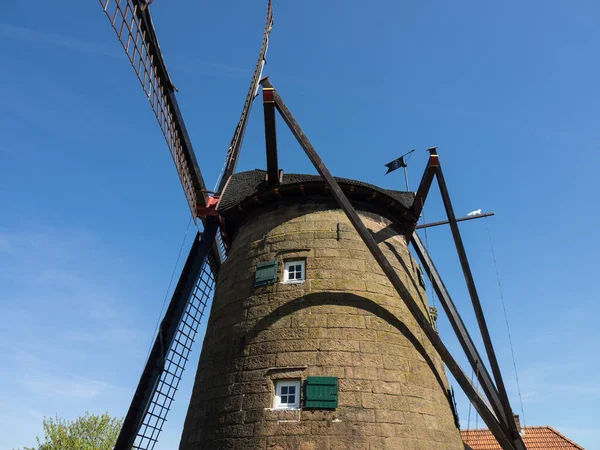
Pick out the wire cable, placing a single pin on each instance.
(474, 373)
(477, 388)
(470, 404)
(512, 351)
(427, 248)
(169, 288)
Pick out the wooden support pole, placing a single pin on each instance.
(460, 329)
(270, 137)
(478, 401)
(507, 417)
(462, 219)
(424, 186)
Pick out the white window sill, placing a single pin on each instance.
(293, 282)
(283, 408)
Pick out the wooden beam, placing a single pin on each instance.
(270, 137)
(445, 222)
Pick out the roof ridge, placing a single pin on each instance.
(564, 437)
(336, 177)
(473, 436)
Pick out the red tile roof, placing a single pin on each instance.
(535, 438)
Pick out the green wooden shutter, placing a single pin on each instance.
(420, 275)
(321, 392)
(266, 273)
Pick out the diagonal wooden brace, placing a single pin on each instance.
(474, 396)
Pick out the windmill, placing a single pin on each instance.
(298, 354)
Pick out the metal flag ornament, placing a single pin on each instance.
(400, 162)
(397, 163)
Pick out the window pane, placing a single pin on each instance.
(284, 390)
(292, 389)
(291, 275)
(298, 268)
(284, 399)
(291, 399)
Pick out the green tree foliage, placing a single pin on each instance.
(90, 432)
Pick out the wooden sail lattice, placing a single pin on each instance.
(133, 25)
(176, 360)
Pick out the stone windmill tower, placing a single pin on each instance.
(308, 345)
(319, 334)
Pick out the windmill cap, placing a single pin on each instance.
(247, 194)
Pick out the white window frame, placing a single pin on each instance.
(277, 404)
(286, 273)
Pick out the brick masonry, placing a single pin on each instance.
(344, 321)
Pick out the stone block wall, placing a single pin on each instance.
(344, 321)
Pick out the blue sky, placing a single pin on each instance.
(93, 214)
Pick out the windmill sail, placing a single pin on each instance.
(160, 379)
(175, 361)
(238, 135)
(172, 347)
(132, 22)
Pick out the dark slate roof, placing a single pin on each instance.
(244, 185)
(247, 194)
